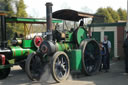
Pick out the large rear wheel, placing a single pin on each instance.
(91, 58)
(60, 66)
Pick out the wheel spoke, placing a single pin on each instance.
(62, 60)
(61, 66)
(91, 56)
(60, 74)
(64, 68)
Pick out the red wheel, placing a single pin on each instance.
(37, 41)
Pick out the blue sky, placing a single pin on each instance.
(36, 8)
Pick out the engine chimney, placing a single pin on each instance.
(49, 20)
(3, 31)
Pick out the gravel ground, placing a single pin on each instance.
(115, 76)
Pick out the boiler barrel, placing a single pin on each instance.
(64, 46)
(18, 52)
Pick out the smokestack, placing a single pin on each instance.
(3, 31)
(49, 20)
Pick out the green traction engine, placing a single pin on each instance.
(17, 52)
(21, 46)
(64, 51)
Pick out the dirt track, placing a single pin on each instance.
(116, 76)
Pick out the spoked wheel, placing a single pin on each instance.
(60, 66)
(34, 66)
(4, 72)
(91, 58)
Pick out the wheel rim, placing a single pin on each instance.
(61, 66)
(37, 41)
(91, 58)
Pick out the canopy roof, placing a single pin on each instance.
(72, 15)
(30, 20)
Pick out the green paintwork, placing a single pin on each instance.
(64, 46)
(19, 52)
(96, 36)
(69, 36)
(81, 34)
(5, 66)
(12, 61)
(75, 57)
(74, 54)
(30, 20)
(28, 44)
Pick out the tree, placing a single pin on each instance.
(20, 6)
(110, 15)
(122, 13)
(21, 12)
(5, 5)
(107, 16)
(8, 6)
(113, 14)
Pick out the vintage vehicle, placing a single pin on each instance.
(21, 46)
(64, 50)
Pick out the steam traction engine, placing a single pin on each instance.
(68, 50)
(16, 53)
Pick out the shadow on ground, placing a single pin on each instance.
(115, 76)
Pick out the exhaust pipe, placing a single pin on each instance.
(48, 46)
(3, 31)
(49, 20)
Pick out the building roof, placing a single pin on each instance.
(108, 24)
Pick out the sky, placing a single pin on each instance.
(37, 9)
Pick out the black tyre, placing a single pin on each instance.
(4, 72)
(60, 66)
(91, 57)
(34, 66)
(22, 65)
